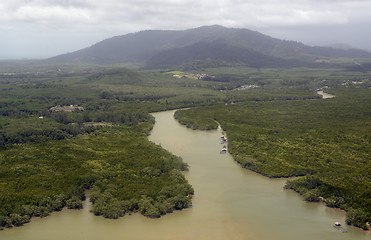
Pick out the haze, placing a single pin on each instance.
(45, 28)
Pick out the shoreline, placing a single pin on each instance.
(287, 178)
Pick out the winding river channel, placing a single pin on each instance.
(229, 203)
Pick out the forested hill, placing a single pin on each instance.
(232, 45)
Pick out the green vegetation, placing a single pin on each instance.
(48, 158)
(119, 163)
(328, 141)
(357, 217)
(275, 121)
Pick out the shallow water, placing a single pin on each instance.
(229, 203)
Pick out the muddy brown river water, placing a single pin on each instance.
(229, 203)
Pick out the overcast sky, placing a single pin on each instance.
(44, 28)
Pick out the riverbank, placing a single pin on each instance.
(124, 170)
(229, 203)
(304, 138)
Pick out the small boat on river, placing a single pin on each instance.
(338, 226)
(224, 150)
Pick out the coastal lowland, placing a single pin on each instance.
(69, 127)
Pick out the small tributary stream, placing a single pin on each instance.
(229, 203)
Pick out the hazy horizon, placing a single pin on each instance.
(34, 29)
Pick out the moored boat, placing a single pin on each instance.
(224, 150)
(338, 226)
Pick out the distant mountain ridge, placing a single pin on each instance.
(167, 48)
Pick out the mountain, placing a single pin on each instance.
(167, 48)
(217, 49)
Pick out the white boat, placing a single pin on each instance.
(224, 150)
(338, 226)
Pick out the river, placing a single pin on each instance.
(229, 203)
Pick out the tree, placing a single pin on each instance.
(357, 217)
(18, 220)
(114, 209)
(147, 208)
(311, 196)
(74, 203)
(335, 202)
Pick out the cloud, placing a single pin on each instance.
(52, 14)
(106, 18)
(182, 13)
